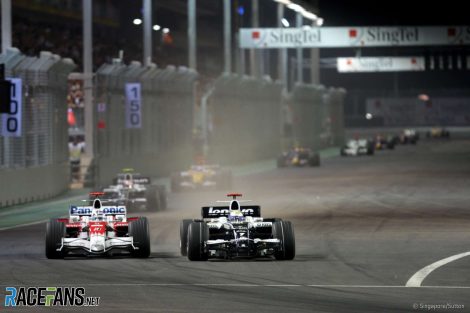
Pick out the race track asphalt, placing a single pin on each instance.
(364, 226)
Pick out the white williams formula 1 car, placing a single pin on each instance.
(236, 231)
(358, 147)
(96, 230)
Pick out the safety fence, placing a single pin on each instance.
(144, 119)
(34, 137)
(317, 116)
(246, 115)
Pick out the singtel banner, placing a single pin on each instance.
(343, 37)
(380, 64)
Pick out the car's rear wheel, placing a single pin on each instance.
(314, 160)
(198, 234)
(139, 230)
(175, 182)
(162, 197)
(284, 231)
(184, 224)
(55, 231)
(281, 161)
(152, 196)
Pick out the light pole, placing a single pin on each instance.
(300, 72)
(147, 32)
(227, 37)
(6, 25)
(192, 33)
(254, 55)
(87, 77)
(282, 56)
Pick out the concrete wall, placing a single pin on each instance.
(31, 184)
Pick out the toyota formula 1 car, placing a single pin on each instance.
(201, 177)
(236, 231)
(97, 230)
(298, 157)
(358, 147)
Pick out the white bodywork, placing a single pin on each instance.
(356, 147)
(241, 241)
(97, 235)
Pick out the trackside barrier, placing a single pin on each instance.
(163, 141)
(34, 165)
(317, 116)
(245, 118)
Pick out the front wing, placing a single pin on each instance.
(84, 245)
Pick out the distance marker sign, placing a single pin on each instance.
(133, 106)
(11, 122)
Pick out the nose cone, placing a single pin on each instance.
(97, 243)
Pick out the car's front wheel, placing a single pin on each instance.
(198, 234)
(139, 230)
(284, 231)
(184, 225)
(55, 231)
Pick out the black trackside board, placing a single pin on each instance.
(219, 211)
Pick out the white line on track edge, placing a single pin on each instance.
(254, 285)
(417, 279)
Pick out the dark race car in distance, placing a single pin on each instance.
(298, 157)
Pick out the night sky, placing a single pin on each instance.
(398, 12)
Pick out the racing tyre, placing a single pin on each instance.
(184, 224)
(175, 182)
(162, 197)
(198, 233)
(152, 196)
(139, 230)
(342, 152)
(314, 160)
(284, 231)
(55, 231)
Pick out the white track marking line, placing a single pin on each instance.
(23, 225)
(419, 276)
(254, 285)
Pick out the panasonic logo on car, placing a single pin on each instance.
(74, 210)
(213, 211)
(114, 210)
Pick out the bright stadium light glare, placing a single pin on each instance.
(166, 30)
(295, 7)
(309, 15)
(320, 21)
(286, 2)
(156, 27)
(368, 116)
(137, 21)
(285, 22)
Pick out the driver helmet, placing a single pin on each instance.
(97, 216)
(236, 216)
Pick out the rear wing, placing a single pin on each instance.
(106, 210)
(220, 211)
